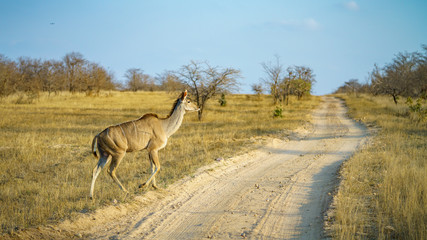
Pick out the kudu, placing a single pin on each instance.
(148, 132)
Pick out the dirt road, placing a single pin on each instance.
(278, 191)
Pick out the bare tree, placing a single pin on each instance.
(396, 78)
(274, 78)
(206, 81)
(148, 83)
(134, 79)
(353, 86)
(74, 64)
(421, 74)
(47, 80)
(29, 71)
(8, 75)
(257, 89)
(57, 77)
(405, 76)
(298, 81)
(169, 82)
(98, 78)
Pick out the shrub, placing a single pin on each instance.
(222, 101)
(417, 109)
(278, 112)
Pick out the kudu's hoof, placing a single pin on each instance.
(142, 185)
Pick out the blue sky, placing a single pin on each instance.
(339, 40)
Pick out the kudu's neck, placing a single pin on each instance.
(172, 123)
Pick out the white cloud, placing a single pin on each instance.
(312, 24)
(288, 23)
(308, 23)
(352, 5)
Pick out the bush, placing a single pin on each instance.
(222, 101)
(278, 112)
(418, 112)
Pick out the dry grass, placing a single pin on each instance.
(384, 192)
(46, 159)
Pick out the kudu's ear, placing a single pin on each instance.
(184, 95)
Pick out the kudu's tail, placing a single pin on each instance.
(95, 139)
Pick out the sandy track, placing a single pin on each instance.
(279, 191)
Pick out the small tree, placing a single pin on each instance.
(417, 108)
(169, 82)
(134, 79)
(402, 77)
(74, 64)
(353, 86)
(8, 76)
(257, 89)
(222, 101)
(299, 87)
(301, 80)
(98, 78)
(205, 81)
(278, 111)
(274, 78)
(52, 79)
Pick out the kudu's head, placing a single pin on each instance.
(187, 104)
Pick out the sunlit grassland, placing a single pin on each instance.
(45, 153)
(384, 191)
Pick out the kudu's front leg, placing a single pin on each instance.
(155, 167)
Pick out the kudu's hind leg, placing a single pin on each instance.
(153, 181)
(103, 159)
(155, 167)
(115, 161)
